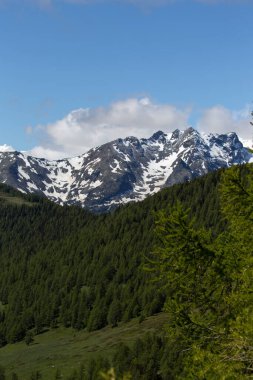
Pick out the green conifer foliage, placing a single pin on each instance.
(63, 265)
(209, 285)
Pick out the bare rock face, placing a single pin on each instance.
(123, 170)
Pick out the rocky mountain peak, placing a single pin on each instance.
(123, 170)
(158, 136)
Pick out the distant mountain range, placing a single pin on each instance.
(123, 170)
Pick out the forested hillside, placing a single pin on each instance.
(64, 265)
(187, 250)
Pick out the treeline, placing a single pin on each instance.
(65, 265)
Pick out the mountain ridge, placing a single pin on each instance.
(123, 170)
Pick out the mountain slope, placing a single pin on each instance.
(123, 170)
(65, 265)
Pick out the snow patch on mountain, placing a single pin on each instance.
(123, 170)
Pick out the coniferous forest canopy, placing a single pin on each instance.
(65, 266)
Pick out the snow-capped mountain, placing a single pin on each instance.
(125, 169)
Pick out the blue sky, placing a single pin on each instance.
(129, 67)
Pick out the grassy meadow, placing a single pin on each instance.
(67, 349)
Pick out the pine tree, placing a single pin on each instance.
(209, 285)
(29, 338)
(114, 313)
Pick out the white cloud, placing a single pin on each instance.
(83, 129)
(6, 148)
(219, 119)
(44, 152)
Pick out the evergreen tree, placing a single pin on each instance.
(29, 338)
(114, 313)
(209, 283)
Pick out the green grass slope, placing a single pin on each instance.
(7, 198)
(10, 196)
(67, 349)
